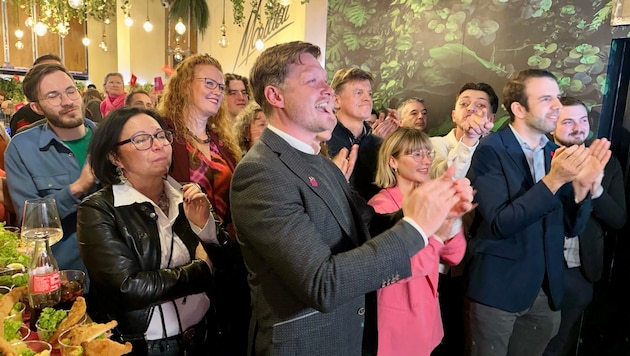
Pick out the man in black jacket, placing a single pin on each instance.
(584, 254)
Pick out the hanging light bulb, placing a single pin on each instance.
(260, 44)
(63, 29)
(223, 42)
(19, 34)
(128, 20)
(28, 22)
(180, 28)
(86, 41)
(285, 2)
(107, 21)
(148, 26)
(19, 45)
(75, 4)
(178, 56)
(40, 29)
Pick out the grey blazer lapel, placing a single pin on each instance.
(291, 159)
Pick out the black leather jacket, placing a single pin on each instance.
(121, 250)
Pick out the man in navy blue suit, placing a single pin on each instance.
(531, 194)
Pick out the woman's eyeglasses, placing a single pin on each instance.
(418, 156)
(143, 142)
(212, 84)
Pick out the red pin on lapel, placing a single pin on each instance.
(313, 181)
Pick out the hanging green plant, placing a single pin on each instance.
(12, 89)
(198, 10)
(272, 7)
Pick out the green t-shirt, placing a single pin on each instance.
(80, 146)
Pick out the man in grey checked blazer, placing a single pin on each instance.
(305, 236)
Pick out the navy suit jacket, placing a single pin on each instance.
(519, 228)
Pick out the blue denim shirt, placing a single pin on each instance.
(39, 165)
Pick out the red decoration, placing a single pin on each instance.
(133, 80)
(313, 181)
(168, 70)
(16, 77)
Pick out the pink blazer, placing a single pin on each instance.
(409, 320)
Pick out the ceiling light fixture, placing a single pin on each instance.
(148, 26)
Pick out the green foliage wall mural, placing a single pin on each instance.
(430, 48)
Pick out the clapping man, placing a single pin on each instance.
(584, 254)
(313, 248)
(531, 194)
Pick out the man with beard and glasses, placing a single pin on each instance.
(49, 160)
(530, 195)
(584, 254)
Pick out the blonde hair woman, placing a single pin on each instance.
(408, 312)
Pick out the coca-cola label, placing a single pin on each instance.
(46, 283)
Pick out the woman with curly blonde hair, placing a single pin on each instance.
(206, 152)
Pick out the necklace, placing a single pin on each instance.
(196, 138)
(163, 203)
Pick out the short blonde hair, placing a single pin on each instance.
(401, 142)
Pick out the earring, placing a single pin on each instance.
(121, 175)
(395, 170)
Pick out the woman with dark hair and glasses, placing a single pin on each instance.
(408, 312)
(143, 238)
(206, 151)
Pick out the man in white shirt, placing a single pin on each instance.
(473, 116)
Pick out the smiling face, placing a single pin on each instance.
(468, 103)
(237, 96)
(206, 102)
(68, 114)
(139, 165)
(412, 166)
(572, 127)
(354, 100)
(307, 98)
(414, 114)
(544, 105)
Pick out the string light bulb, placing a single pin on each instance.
(19, 45)
(285, 2)
(128, 20)
(180, 28)
(40, 29)
(86, 41)
(28, 22)
(75, 4)
(19, 34)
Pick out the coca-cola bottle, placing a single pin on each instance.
(44, 287)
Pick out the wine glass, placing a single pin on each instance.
(41, 218)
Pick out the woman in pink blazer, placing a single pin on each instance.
(409, 320)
